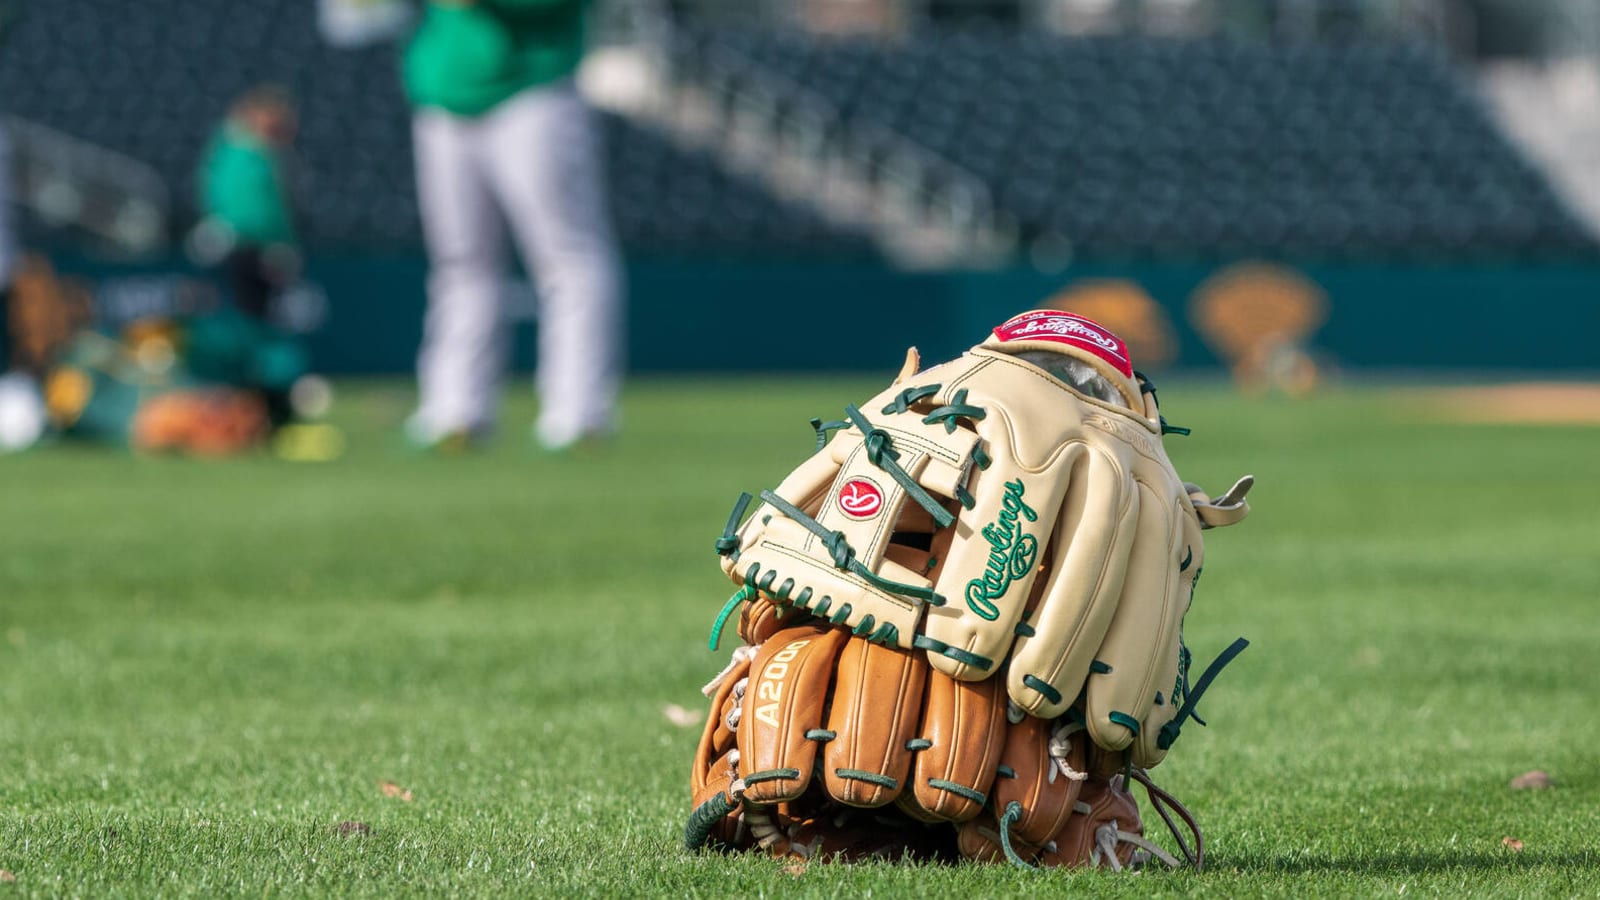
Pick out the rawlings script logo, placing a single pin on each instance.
(1065, 326)
(1011, 553)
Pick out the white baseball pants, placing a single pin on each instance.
(533, 162)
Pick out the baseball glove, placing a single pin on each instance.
(1009, 511)
(824, 745)
(963, 619)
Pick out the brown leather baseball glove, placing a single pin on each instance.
(821, 744)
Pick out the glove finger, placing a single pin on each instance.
(1056, 649)
(1147, 749)
(1142, 638)
(1044, 794)
(782, 711)
(963, 729)
(877, 704)
(804, 486)
(993, 561)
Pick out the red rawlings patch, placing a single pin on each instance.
(860, 498)
(1069, 329)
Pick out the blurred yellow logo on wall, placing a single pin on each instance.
(1258, 317)
(1129, 311)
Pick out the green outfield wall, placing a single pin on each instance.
(363, 314)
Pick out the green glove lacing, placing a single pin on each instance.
(881, 453)
(697, 831)
(1146, 386)
(957, 408)
(902, 401)
(729, 541)
(1012, 814)
(1191, 696)
(743, 595)
(822, 428)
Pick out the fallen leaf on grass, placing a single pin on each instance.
(1512, 843)
(390, 789)
(677, 715)
(346, 829)
(1537, 780)
(7, 876)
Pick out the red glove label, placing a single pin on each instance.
(1071, 330)
(860, 498)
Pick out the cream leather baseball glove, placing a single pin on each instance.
(1011, 513)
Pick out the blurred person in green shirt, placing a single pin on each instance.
(245, 199)
(502, 138)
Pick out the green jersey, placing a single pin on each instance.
(242, 184)
(466, 58)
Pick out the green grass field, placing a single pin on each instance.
(205, 667)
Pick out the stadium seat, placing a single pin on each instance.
(155, 86)
(1120, 144)
(1138, 145)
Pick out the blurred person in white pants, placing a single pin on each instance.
(502, 138)
(22, 410)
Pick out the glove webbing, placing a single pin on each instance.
(844, 556)
(881, 453)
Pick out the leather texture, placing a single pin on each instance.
(784, 700)
(1044, 794)
(874, 714)
(964, 725)
(912, 763)
(1106, 804)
